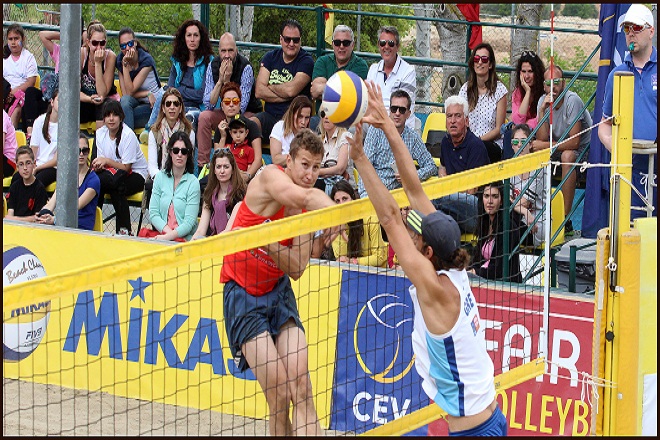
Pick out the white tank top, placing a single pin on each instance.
(456, 369)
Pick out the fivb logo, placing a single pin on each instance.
(94, 325)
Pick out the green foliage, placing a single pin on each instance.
(580, 10)
(497, 9)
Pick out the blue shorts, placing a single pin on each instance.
(247, 316)
(495, 426)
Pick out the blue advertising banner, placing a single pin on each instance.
(375, 379)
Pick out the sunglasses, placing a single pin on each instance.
(528, 53)
(98, 43)
(516, 142)
(288, 40)
(176, 103)
(177, 150)
(549, 82)
(390, 43)
(83, 150)
(345, 43)
(483, 58)
(636, 28)
(227, 101)
(395, 108)
(129, 43)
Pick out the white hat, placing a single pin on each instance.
(638, 14)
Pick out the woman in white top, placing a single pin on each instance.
(486, 97)
(119, 163)
(171, 118)
(44, 143)
(19, 69)
(296, 118)
(335, 165)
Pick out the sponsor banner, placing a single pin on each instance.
(375, 380)
(375, 383)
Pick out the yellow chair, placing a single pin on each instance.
(4, 205)
(37, 83)
(435, 121)
(118, 86)
(557, 216)
(20, 138)
(98, 220)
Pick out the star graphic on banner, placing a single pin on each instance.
(138, 287)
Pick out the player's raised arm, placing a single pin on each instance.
(377, 116)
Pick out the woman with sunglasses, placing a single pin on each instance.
(224, 191)
(335, 165)
(230, 102)
(533, 188)
(119, 163)
(295, 119)
(486, 97)
(529, 88)
(89, 188)
(138, 79)
(175, 198)
(96, 75)
(171, 119)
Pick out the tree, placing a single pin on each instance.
(453, 42)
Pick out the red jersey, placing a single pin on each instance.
(243, 154)
(253, 269)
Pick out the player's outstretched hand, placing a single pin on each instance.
(376, 114)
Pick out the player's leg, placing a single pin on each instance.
(568, 189)
(261, 354)
(292, 348)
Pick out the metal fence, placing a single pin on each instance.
(574, 39)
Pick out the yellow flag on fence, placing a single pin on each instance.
(329, 24)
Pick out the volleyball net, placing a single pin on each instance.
(137, 345)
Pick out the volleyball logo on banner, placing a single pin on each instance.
(26, 326)
(345, 99)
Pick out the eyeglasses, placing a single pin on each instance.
(288, 40)
(177, 150)
(176, 104)
(98, 43)
(528, 53)
(129, 43)
(516, 142)
(395, 108)
(390, 43)
(83, 150)
(345, 43)
(636, 28)
(483, 58)
(227, 101)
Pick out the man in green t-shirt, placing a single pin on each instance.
(343, 58)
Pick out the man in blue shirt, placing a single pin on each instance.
(377, 147)
(460, 151)
(284, 74)
(642, 61)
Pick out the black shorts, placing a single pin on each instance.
(247, 316)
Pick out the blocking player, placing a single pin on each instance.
(261, 317)
(448, 336)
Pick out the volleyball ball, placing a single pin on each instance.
(23, 327)
(345, 99)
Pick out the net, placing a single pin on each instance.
(138, 345)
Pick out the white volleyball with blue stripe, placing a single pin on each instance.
(23, 327)
(345, 99)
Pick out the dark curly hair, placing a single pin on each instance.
(537, 88)
(180, 50)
